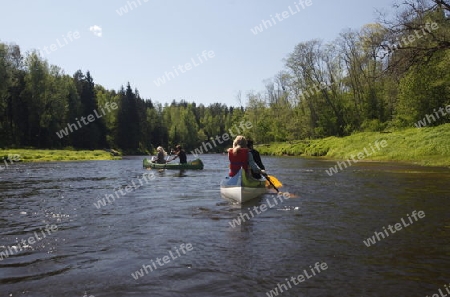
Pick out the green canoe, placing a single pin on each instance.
(195, 164)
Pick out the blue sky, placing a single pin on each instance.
(153, 36)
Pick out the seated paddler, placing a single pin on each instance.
(241, 157)
(160, 157)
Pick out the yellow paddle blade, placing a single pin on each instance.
(274, 181)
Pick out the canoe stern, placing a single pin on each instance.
(241, 188)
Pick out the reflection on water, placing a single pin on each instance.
(96, 250)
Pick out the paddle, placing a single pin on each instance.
(170, 159)
(274, 181)
(268, 178)
(270, 182)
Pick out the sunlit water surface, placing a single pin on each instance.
(95, 250)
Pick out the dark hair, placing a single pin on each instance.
(178, 147)
(249, 143)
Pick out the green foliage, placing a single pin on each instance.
(325, 90)
(374, 125)
(424, 146)
(425, 89)
(38, 155)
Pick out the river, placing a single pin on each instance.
(57, 240)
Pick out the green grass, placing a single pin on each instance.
(425, 146)
(38, 155)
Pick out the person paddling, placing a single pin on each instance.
(256, 158)
(240, 157)
(180, 153)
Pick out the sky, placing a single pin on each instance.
(196, 50)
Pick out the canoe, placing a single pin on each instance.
(196, 164)
(242, 188)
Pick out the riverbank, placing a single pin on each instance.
(38, 155)
(428, 146)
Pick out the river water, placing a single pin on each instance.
(177, 226)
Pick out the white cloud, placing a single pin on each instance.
(96, 30)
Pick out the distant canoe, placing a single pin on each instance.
(196, 164)
(242, 188)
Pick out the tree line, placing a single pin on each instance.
(43, 107)
(385, 75)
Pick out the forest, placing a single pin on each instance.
(384, 76)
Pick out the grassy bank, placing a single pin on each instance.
(37, 155)
(424, 146)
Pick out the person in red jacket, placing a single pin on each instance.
(240, 157)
